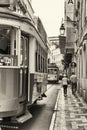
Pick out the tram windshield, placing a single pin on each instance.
(52, 71)
(7, 46)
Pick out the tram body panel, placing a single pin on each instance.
(13, 92)
(20, 82)
(53, 77)
(9, 84)
(38, 83)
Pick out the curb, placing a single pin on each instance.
(54, 113)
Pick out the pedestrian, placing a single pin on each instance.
(65, 84)
(73, 80)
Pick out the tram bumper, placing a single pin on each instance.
(15, 122)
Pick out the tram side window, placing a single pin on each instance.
(39, 62)
(4, 41)
(40, 59)
(7, 39)
(24, 50)
(22, 41)
(36, 57)
(36, 62)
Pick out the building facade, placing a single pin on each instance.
(69, 22)
(54, 54)
(80, 17)
(76, 34)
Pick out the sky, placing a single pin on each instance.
(51, 13)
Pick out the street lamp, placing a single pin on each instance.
(62, 29)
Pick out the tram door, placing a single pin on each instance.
(24, 67)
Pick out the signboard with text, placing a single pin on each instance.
(4, 3)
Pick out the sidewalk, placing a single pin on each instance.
(70, 113)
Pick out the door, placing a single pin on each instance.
(24, 67)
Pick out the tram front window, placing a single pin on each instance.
(52, 71)
(7, 46)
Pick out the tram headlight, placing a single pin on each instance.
(48, 76)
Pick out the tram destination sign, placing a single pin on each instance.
(4, 3)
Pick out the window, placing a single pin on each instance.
(40, 59)
(36, 62)
(5, 40)
(8, 55)
(24, 50)
(52, 71)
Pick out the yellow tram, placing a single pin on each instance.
(23, 60)
(53, 73)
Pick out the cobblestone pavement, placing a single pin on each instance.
(71, 112)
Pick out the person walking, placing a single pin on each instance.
(73, 80)
(65, 84)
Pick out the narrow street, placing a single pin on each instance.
(43, 42)
(43, 110)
